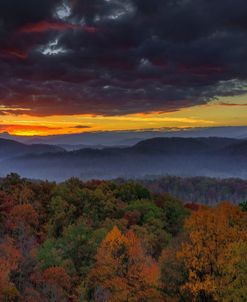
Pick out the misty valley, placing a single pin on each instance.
(211, 157)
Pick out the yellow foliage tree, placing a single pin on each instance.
(213, 233)
(233, 284)
(123, 273)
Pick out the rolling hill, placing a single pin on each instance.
(10, 149)
(217, 157)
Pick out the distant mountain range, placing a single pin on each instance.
(10, 148)
(126, 138)
(217, 157)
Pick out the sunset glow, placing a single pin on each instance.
(72, 66)
(218, 113)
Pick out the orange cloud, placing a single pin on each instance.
(27, 129)
(30, 130)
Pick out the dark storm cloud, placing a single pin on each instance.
(120, 56)
(14, 13)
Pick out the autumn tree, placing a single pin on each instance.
(123, 272)
(23, 216)
(9, 260)
(57, 284)
(173, 273)
(22, 224)
(6, 204)
(213, 232)
(233, 284)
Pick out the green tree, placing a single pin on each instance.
(130, 191)
(243, 206)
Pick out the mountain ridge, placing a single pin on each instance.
(10, 148)
(214, 157)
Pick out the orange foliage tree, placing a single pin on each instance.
(57, 283)
(21, 227)
(23, 217)
(233, 285)
(212, 234)
(123, 272)
(9, 260)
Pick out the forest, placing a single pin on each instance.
(204, 190)
(107, 241)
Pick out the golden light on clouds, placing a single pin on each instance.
(223, 112)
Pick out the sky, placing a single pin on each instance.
(72, 66)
